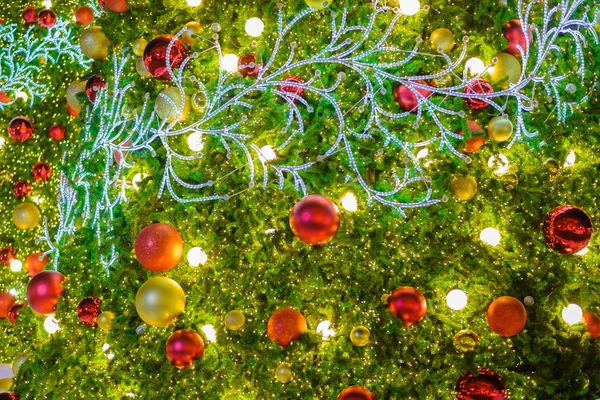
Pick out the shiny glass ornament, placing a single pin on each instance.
(315, 220)
(592, 322)
(93, 86)
(475, 143)
(500, 129)
(283, 373)
(199, 102)
(105, 320)
(406, 97)
(41, 171)
(33, 264)
(359, 335)
(285, 325)
(567, 229)
(234, 320)
(159, 301)
(94, 43)
(118, 6)
(465, 340)
(164, 107)
(506, 316)
(47, 18)
(247, 65)
(442, 39)
(7, 300)
(356, 393)
(138, 46)
(408, 304)
(486, 385)
(56, 132)
(44, 290)
(20, 129)
(192, 29)
(140, 68)
(84, 15)
(183, 347)
(464, 187)
(298, 91)
(159, 247)
(29, 15)
(21, 189)
(7, 254)
(513, 31)
(155, 56)
(88, 310)
(318, 4)
(477, 87)
(26, 216)
(507, 70)
(72, 91)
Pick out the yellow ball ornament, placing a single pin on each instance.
(199, 102)
(234, 320)
(94, 43)
(507, 69)
(105, 320)
(165, 109)
(500, 129)
(443, 39)
(360, 336)
(191, 28)
(160, 301)
(597, 24)
(138, 46)
(141, 68)
(5, 384)
(26, 216)
(318, 4)
(464, 187)
(283, 373)
(19, 361)
(72, 91)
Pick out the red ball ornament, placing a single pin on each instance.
(10, 396)
(88, 310)
(593, 324)
(101, 5)
(7, 254)
(513, 31)
(478, 87)
(315, 220)
(247, 65)
(33, 264)
(84, 15)
(298, 91)
(407, 99)
(44, 290)
(487, 385)
(20, 129)
(155, 56)
(7, 300)
(13, 314)
(567, 229)
(408, 304)
(29, 15)
(47, 18)
(56, 132)
(473, 144)
(41, 171)
(21, 189)
(158, 247)
(506, 316)
(285, 325)
(183, 347)
(356, 393)
(93, 86)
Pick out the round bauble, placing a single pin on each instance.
(406, 97)
(33, 264)
(318, 4)
(72, 101)
(19, 361)
(140, 68)
(234, 320)
(442, 40)
(7, 254)
(592, 322)
(41, 171)
(44, 290)
(486, 385)
(56, 132)
(10, 396)
(7, 300)
(26, 216)
(356, 393)
(567, 229)
(93, 86)
(247, 65)
(138, 46)
(21, 189)
(285, 325)
(315, 220)
(513, 31)
(84, 15)
(94, 43)
(118, 6)
(477, 87)
(284, 373)
(158, 247)
(475, 143)
(506, 316)
(105, 320)
(29, 15)
(155, 56)
(5, 384)
(183, 347)
(88, 310)
(298, 91)
(464, 187)
(500, 129)
(408, 304)
(20, 129)
(359, 335)
(164, 105)
(47, 18)
(160, 301)
(506, 70)
(192, 29)
(465, 340)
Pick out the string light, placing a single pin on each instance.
(572, 314)
(490, 236)
(254, 27)
(349, 202)
(456, 299)
(410, 7)
(196, 256)
(324, 328)
(229, 62)
(51, 325)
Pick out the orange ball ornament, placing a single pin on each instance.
(593, 324)
(158, 247)
(84, 15)
(33, 264)
(117, 6)
(285, 325)
(315, 220)
(7, 300)
(506, 316)
(356, 393)
(44, 290)
(408, 304)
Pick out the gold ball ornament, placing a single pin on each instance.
(500, 129)
(597, 24)
(507, 69)
(138, 46)
(318, 4)
(72, 91)
(94, 43)
(26, 216)
(465, 341)
(5, 384)
(164, 107)
(105, 320)
(19, 361)
(141, 69)
(443, 39)
(199, 102)
(234, 320)
(464, 187)
(160, 301)
(191, 28)
(283, 373)
(360, 336)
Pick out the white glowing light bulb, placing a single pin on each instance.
(2, 141)
(16, 265)
(422, 154)
(349, 202)
(267, 153)
(195, 141)
(51, 325)
(570, 160)
(13, 292)
(254, 27)
(324, 328)
(490, 236)
(500, 162)
(229, 62)
(409, 7)
(21, 95)
(196, 256)
(572, 314)
(137, 179)
(47, 4)
(210, 333)
(193, 3)
(474, 66)
(456, 299)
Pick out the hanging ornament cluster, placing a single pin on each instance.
(158, 247)
(285, 325)
(315, 220)
(567, 229)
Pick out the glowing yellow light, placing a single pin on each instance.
(196, 256)
(410, 7)
(193, 3)
(349, 202)
(456, 299)
(51, 325)
(16, 265)
(490, 236)
(254, 27)
(500, 162)
(570, 160)
(324, 328)
(572, 314)
(210, 333)
(474, 66)
(229, 62)
(267, 153)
